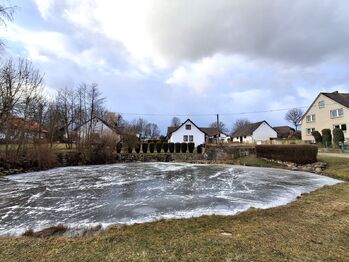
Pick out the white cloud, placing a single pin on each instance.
(45, 7)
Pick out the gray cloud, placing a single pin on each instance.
(289, 31)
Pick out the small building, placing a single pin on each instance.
(284, 132)
(15, 128)
(190, 132)
(97, 129)
(328, 111)
(254, 133)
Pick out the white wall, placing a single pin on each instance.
(263, 133)
(198, 135)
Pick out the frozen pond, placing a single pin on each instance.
(142, 192)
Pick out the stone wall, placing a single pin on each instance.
(227, 152)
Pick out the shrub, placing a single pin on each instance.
(199, 149)
(317, 136)
(118, 148)
(151, 147)
(338, 136)
(145, 147)
(191, 147)
(165, 147)
(299, 154)
(326, 137)
(178, 147)
(130, 149)
(184, 147)
(158, 147)
(171, 147)
(138, 148)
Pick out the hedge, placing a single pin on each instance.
(191, 147)
(178, 147)
(145, 147)
(151, 147)
(158, 147)
(129, 149)
(138, 148)
(199, 149)
(165, 147)
(171, 147)
(118, 148)
(299, 154)
(184, 147)
(317, 136)
(326, 137)
(338, 136)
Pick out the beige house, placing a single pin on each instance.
(329, 110)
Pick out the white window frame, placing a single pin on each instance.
(337, 113)
(311, 129)
(321, 104)
(341, 127)
(191, 138)
(185, 138)
(310, 118)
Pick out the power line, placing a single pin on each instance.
(213, 114)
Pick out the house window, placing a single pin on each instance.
(321, 104)
(310, 118)
(185, 138)
(341, 126)
(336, 113)
(188, 127)
(310, 130)
(191, 138)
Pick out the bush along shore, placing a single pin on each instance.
(292, 157)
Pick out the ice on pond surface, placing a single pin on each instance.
(143, 192)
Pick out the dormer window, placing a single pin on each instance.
(187, 127)
(310, 118)
(321, 104)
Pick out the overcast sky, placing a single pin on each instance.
(193, 57)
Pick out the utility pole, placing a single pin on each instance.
(218, 131)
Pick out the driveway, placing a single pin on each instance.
(343, 155)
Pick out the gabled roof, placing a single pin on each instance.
(284, 131)
(172, 129)
(247, 130)
(340, 98)
(117, 129)
(210, 131)
(25, 124)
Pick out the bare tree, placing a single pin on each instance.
(6, 14)
(221, 126)
(20, 96)
(239, 123)
(152, 131)
(294, 115)
(175, 122)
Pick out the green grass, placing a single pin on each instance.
(313, 228)
(337, 167)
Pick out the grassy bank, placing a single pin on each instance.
(316, 227)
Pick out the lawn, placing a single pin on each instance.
(313, 228)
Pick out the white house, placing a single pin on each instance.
(254, 133)
(99, 128)
(189, 132)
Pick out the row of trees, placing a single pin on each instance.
(326, 138)
(159, 147)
